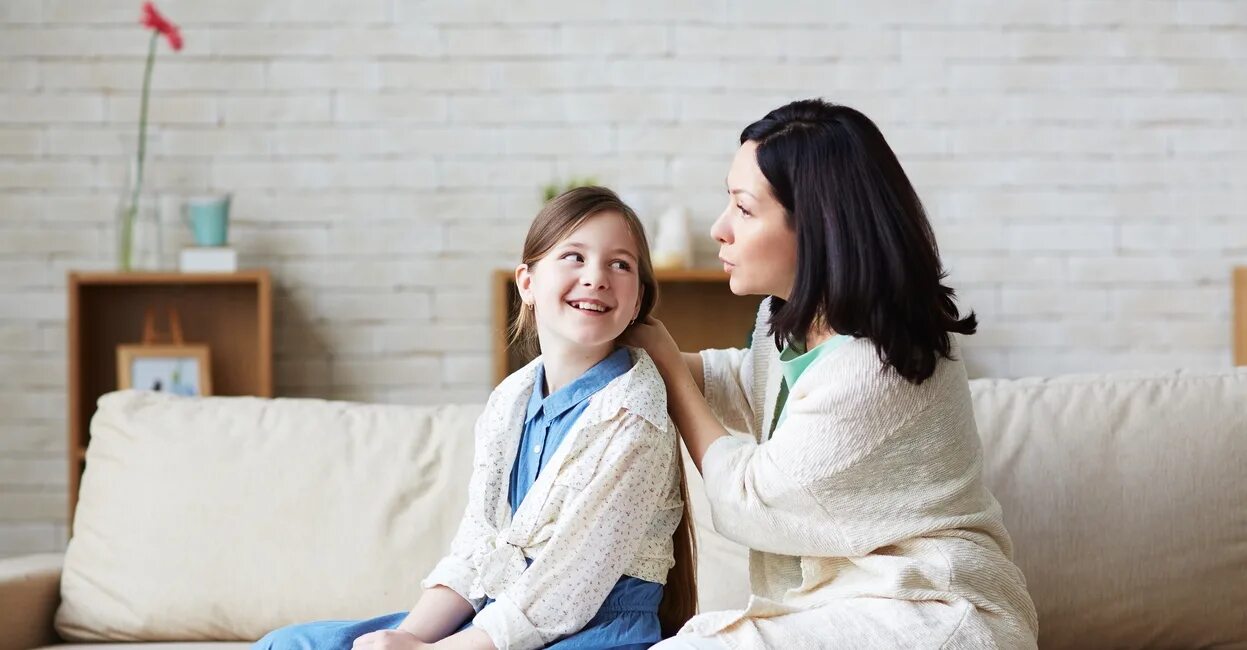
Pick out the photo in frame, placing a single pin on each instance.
(178, 369)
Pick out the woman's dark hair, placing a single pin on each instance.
(867, 262)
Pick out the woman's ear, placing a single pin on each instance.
(524, 282)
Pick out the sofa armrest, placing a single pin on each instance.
(30, 591)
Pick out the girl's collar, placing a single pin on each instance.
(640, 390)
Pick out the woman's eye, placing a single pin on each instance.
(743, 210)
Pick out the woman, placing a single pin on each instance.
(859, 489)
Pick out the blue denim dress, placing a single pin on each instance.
(627, 619)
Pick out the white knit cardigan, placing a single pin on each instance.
(865, 512)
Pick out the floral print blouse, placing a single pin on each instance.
(605, 506)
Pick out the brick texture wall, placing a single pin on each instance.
(1082, 161)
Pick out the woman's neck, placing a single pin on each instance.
(817, 336)
(564, 363)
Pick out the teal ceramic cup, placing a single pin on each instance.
(208, 217)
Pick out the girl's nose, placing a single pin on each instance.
(594, 279)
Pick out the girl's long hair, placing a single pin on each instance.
(679, 597)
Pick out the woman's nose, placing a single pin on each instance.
(720, 231)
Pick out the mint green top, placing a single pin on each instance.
(794, 360)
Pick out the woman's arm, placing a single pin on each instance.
(847, 440)
(696, 369)
(697, 424)
(684, 375)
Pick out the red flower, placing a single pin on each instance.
(152, 19)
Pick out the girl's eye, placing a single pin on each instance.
(578, 256)
(622, 265)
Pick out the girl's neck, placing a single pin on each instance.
(564, 363)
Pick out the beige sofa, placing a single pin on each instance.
(214, 520)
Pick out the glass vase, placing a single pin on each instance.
(138, 225)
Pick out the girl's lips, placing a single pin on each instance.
(590, 312)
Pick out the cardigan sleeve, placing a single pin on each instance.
(592, 543)
(793, 494)
(728, 376)
(458, 569)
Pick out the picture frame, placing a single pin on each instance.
(179, 369)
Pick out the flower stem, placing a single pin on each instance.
(147, 83)
(131, 211)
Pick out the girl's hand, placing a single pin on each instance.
(652, 336)
(389, 640)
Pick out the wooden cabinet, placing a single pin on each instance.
(696, 305)
(231, 312)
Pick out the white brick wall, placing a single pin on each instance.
(1082, 161)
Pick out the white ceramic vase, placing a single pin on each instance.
(672, 247)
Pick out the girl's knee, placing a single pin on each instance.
(266, 642)
(325, 635)
(291, 637)
(270, 641)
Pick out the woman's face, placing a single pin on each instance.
(756, 245)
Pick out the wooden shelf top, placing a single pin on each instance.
(244, 276)
(691, 275)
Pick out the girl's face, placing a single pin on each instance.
(756, 245)
(586, 290)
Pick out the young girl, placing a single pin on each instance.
(576, 532)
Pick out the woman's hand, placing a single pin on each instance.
(389, 640)
(652, 336)
(682, 373)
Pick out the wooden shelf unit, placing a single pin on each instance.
(696, 305)
(231, 312)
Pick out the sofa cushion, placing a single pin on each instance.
(223, 518)
(1126, 497)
